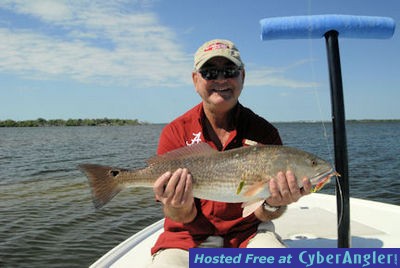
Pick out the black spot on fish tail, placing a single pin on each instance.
(102, 180)
(114, 173)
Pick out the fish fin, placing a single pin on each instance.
(103, 183)
(198, 149)
(240, 186)
(250, 207)
(255, 189)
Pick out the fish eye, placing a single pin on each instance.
(314, 162)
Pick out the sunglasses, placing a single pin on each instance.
(212, 73)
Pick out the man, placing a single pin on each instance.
(222, 122)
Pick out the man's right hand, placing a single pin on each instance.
(175, 191)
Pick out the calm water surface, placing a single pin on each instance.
(47, 217)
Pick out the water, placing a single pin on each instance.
(46, 215)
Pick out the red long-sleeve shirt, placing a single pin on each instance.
(213, 218)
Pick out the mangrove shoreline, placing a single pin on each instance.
(40, 122)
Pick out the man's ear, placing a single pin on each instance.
(195, 79)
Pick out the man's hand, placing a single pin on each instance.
(175, 191)
(284, 191)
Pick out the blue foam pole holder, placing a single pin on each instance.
(331, 27)
(348, 26)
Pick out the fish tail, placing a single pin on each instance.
(102, 180)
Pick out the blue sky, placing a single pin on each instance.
(133, 59)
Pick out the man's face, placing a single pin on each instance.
(219, 83)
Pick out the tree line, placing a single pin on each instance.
(40, 122)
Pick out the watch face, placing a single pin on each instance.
(269, 208)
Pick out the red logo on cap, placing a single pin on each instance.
(216, 46)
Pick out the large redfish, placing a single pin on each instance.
(234, 176)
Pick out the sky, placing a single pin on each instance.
(62, 59)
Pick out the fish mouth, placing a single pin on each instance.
(322, 178)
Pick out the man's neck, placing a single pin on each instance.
(219, 124)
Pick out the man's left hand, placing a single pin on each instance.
(284, 189)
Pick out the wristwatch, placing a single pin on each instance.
(269, 208)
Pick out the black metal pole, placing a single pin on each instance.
(340, 143)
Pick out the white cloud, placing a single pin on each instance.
(101, 45)
(105, 42)
(43, 9)
(275, 77)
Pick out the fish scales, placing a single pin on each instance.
(215, 175)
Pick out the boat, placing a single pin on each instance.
(308, 223)
(316, 220)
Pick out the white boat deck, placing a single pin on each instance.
(309, 223)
